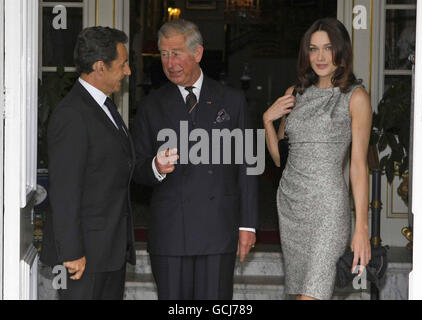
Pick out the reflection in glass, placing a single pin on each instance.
(401, 1)
(399, 39)
(58, 45)
(394, 80)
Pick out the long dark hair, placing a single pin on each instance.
(342, 56)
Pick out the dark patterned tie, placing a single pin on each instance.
(111, 106)
(191, 101)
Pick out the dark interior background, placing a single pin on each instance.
(252, 51)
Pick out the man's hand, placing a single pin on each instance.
(165, 160)
(247, 241)
(76, 268)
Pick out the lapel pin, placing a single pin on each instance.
(209, 102)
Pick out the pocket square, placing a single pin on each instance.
(222, 116)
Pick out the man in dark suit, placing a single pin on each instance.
(200, 215)
(91, 162)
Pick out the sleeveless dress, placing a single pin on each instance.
(313, 199)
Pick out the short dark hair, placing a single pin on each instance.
(97, 44)
(342, 56)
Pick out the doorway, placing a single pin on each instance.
(254, 49)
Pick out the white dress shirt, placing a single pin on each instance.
(99, 96)
(197, 91)
(196, 88)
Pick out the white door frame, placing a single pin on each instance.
(20, 146)
(415, 277)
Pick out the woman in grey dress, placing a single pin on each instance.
(331, 113)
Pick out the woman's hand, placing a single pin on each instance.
(361, 249)
(279, 109)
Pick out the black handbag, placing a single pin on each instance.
(283, 145)
(375, 270)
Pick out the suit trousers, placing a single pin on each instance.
(207, 277)
(96, 286)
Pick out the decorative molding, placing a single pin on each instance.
(54, 69)
(401, 6)
(64, 3)
(108, 13)
(114, 14)
(29, 274)
(415, 277)
(397, 72)
(391, 194)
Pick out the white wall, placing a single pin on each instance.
(21, 65)
(368, 65)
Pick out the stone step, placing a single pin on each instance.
(259, 277)
(263, 260)
(142, 287)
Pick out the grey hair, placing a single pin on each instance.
(185, 28)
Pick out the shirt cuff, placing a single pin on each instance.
(248, 229)
(156, 173)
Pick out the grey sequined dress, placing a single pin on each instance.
(313, 199)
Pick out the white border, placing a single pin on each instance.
(1, 139)
(415, 277)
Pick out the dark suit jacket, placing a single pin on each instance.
(197, 209)
(90, 168)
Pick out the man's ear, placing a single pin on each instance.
(99, 67)
(199, 53)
